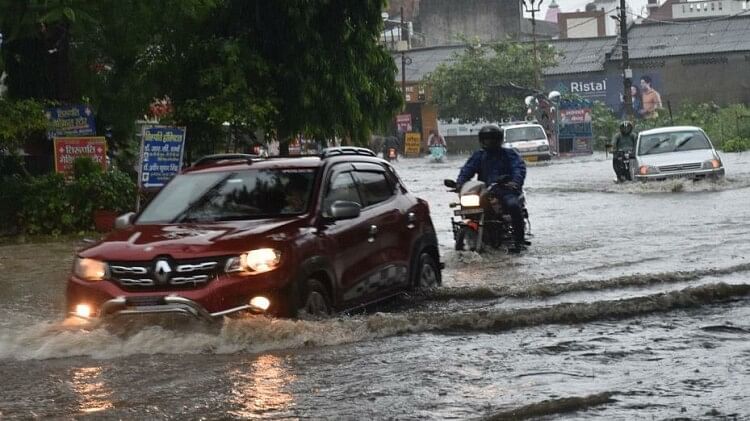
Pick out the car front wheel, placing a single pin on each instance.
(428, 272)
(315, 302)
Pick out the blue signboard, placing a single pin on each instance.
(73, 120)
(161, 154)
(576, 130)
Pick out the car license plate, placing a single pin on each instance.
(144, 301)
(531, 158)
(462, 212)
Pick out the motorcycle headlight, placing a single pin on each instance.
(712, 164)
(647, 169)
(470, 200)
(255, 261)
(90, 269)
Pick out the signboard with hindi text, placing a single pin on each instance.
(67, 149)
(412, 143)
(161, 155)
(73, 120)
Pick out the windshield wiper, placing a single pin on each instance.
(208, 195)
(683, 142)
(656, 145)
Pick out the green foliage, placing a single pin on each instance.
(469, 87)
(50, 205)
(46, 207)
(736, 144)
(85, 167)
(604, 125)
(19, 120)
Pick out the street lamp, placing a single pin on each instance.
(533, 6)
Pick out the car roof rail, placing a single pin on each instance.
(216, 158)
(345, 150)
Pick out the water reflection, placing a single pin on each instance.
(93, 393)
(260, 387)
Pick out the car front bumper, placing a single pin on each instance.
(694, 174)
(222, 296)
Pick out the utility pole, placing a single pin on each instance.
(534, 6)
(627, 72)
(403, 58)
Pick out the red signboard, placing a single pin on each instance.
(67, 149)
(403, 122)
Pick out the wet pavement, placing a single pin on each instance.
(631, 303)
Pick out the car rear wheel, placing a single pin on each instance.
(428, 272)
(315, 302)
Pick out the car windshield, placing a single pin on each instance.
(672, 142)
(520, 134)
(226, 196)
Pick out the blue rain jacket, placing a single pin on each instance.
(490, 166)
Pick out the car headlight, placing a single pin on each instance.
(542, 148)
(255, 261)
(712, 164)
(647, 169)
(90, 269)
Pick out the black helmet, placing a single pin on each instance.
(626, 127)
(490, 137)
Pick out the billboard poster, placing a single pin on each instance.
(403, 123)
(161, 155)
(645, 90)
(67, 149)
(73, 120)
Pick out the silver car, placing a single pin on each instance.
(679, 151)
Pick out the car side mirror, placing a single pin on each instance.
(125, 220)
(451, 184)
(344, 209)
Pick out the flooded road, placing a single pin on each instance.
(632, 302)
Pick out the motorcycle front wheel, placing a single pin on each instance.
(466, 239)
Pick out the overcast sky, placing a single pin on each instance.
(638, 6)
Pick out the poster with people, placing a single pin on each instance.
(645, 98)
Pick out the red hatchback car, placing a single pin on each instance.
(278, 236)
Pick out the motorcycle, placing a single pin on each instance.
(390, 154)
(437, 153)
(622, 165)
(482, 219)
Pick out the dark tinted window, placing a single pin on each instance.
(225, 196)
(341, 187)
(374, 186)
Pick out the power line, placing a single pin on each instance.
(693, 22)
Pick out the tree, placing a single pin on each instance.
(470, 87)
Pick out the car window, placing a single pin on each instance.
(341, 187)
(524, 133)
(672, 142)
(374, 187)
(225, 196)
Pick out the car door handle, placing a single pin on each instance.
(373, 232)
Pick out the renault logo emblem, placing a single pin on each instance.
(162, 271)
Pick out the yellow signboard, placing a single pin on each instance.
(412, 143)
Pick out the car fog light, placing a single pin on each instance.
(83, 310)
(261, 303)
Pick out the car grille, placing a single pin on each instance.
(680, 167)
(166, 273)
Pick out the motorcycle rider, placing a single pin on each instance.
(623, 142)
(491, 163)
